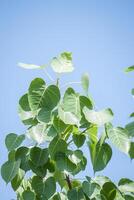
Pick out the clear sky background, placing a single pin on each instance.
(100, 33)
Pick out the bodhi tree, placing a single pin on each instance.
(58, 125)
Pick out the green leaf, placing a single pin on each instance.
(44, 115)
(28, 195)
(129, 69)
(30, 66)
(17, 180)
(22, 154)
(9, 170)
(45, 188)
(36, 93)
(67, 117)
(130, 128)
(109, 191)
(27, 117)
(98, 117)
(132, 114)
(62, 63)
(23, 102)
(119, 137)
(126, 185)
(57, 145)
(131, 150)
(39, 156)
(38, 170)
(75, 194)
(90, 189)
(79, 139)
(85, 82)
(40, 96)
(13, 141)
(63, 163)
(100, 155)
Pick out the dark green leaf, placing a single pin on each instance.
(13, 141)
(129, 69)
(28, 195)
(9, 170)
(17, 180)
(38, 156)
(23, 102)
(79, 139)
(57, 145)
(75, 194)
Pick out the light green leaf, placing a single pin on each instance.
(130, 128)
(85, 82)
(38, 133)
(44, 115)
(13, 141)
(119, 137)
(126, 185)
(57, 145)
(90, 189)
(67, 117)
(28, 195)
(39, 156)
(9, 170)
(62, 63)
(129, 69)
(98, 117)
(30, 66)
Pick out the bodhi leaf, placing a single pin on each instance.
(13, 141)
(131, 150)
(17, 180)
(44, 188)
(30, 66)
(57, 145)
(39, 156)
(40, 96)
(85, 82)
(129, 69)
(9, 170)
(100, 155)
(23, 102)
(76, 194)
(28, 195)
(119, 137)
(38, 133)
(22, 154)
(79, 139)
(108, 191)
(62, 63)
(126, 185)
(98, 117)
(130, 128)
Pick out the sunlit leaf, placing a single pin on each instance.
(30, 66)
(62, 63)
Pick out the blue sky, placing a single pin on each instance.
(100, 34)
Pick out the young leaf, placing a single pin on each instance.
(130, 128)
(30, 66)
(62, 63)
(129, 69)
(85, 82)
(9, 170)
(98, 117)
(13, 141)
(119, 137)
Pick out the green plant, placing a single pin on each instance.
(59, 125)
